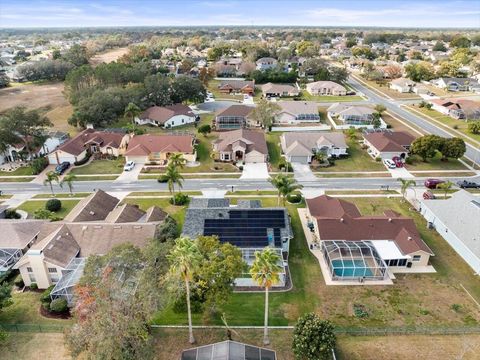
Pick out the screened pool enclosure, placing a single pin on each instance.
(353, 260)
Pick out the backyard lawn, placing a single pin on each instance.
(32, 205)
(100, 167)
(274, 152)
(449, 122)
(434, 163)
(348, 98)
(359, 160)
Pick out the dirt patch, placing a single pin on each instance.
(51, 315)
(108, 56)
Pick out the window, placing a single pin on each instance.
(32, 278)
(54, 278)
(416, 257)
(402, 262)
(52, 270)
(29, 269)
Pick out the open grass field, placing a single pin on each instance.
(384, 87)
(108, 56)
(100, 167)
(333, 99)
(32, 205)
(447, 121)
(435, 163)
(399, 126)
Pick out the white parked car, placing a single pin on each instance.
(129, 166)
(389, 164)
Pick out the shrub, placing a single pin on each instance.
(33, 286)
(39, 164)
(455, 127)
(294, 198)
(474, 127)
(240, 168)
(282, 165)
(42, 214)
(83, 161)
(53, 205)
(45, 297)
(59, 305)
(313, 338)
(456, 307)
(360, 311)
(19, 281)
(162, 179)
(12, 214)
(409, 160)
(378, 159)
(180, 199)
(167, 230)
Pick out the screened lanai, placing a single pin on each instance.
(353, 260)
(64, 288)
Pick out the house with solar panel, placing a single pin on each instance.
(246, 225)
(228, 350)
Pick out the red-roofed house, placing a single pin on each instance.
(90, 141)
(388, 144)
(167, 116)
(150, 148)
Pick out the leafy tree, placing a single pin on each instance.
(39, 164)
(420, 71)
(184, 261)
(53, 205)
(406, 184)
(5, 295)
(445, 186)
(24, 126)
(265, 113)
(426, 146)
(204, 129)
(52, 177)
(314, 67)
(77, 55)
(69, 179)
(265, 271)
(439, 46)
(132, 111)
(313, 338)
(185, 88)
(173, 177)
(158, 90)
(206, 74)
(449, 68)
(351, 42)
(167, 230)
(45, 70)
(364, 52)
(453, 148)
(474, 127)
(4, 80)
(460, 41)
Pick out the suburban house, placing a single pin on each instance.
(388, 144)
(351, 114)
(266, 63)
(461, 109)
(237, 87)
(241, 145)
(456, 220)
(151, 148)
(232, 117)
(246, 225)
(279, 90)
(229, 66)
(362, 248)
(301, 147)
(294, 112)
(326, 88)
(90, 141)
(61, 244)
(402, 85)
(167, 116)
(456, 84)
(16, 238)
(228, 350)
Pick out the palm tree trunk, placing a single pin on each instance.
(191, 339)
(51, 188)
(173, 193)
(266, 340)
(278, 199)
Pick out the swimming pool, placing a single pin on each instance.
(351, 268)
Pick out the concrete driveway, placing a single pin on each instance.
(302, 172)
(400, 173)
(130, 176)
(255, 171)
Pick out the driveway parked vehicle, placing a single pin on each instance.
(468, 184)
(129, 166)
(427, 195)
(389, 164)
(398, 161)
(433, 183)
(60, 169)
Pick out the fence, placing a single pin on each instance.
(352, 331)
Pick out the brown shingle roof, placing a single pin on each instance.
(235, 110)
(125, 213)
(16, 234)
(148, 143)
(76, 145)
(164, 113)
(390, 141)
(153, 214)
(59, 247)
(93, 208)
(252, 140)
(340, 220)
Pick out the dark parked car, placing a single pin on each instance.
(398, 161)
(468, 184)
(60, 169)
(433, 183)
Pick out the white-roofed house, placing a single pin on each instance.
(294, 112)
(326, 88)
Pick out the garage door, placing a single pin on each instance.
(300, 159)
(52, 159)
(254, 158)
(137, 159)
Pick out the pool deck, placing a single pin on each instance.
(302, 212)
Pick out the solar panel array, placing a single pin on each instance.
(248, 227)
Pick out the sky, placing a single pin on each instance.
(382, 13)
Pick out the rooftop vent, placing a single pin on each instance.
(92, 213)
(409, 238)
(389, 219)
(342, 220)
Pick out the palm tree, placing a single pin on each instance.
(51, 177)
(445, 186)
(265, 271)
(177, 160)
(173, 176)
(406, 184)
(132, 111)
(279, 181)
(285, 186)
(69, 179)
(184, 261)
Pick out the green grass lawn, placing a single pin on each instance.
(307, 97)
(61, 195)
(435, 164)
(96, 178)
(274, 151)
(15, 179)
(358, 160)
(213, 88)
(385, 88)
(449, 122)
(32, 205)
(21, 171)
(100, 167)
